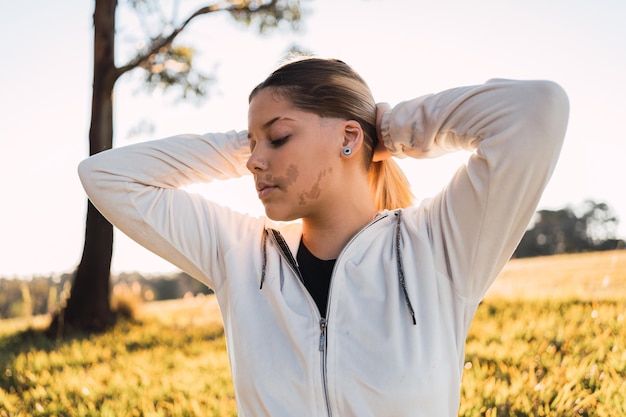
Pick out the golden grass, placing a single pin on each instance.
(194, 311)
(586, 276)
(549, 340)
(136, 369)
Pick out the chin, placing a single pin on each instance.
(278, 218)
(280, 215)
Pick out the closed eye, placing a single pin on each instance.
(279, 142)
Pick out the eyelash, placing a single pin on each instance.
(279, 142)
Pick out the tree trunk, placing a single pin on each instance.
(89, 308)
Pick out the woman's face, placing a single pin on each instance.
(293, 157)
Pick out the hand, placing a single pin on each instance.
(380, 151)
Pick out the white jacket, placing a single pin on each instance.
(404, 290)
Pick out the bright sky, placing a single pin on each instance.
(402, 48)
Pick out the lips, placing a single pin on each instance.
(264, 189)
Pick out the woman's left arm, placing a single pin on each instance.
(515, 130)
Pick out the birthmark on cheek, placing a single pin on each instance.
(292, 175)
(289, 178)
(315, 191)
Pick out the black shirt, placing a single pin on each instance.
(316, 274)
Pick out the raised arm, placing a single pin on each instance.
(515, 130)
(137, 188)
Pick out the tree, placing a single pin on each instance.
(591, 226)
(165, 65)
(601, 222)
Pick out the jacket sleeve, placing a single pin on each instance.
(515, 130)
(138, 189)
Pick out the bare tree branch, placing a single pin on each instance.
(165, 41)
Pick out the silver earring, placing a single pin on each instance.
(347, 150)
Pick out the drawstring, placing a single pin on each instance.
(264, 258)
(398, 260)
(401, 268)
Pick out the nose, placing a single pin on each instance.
(256, 163)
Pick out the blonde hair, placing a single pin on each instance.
(330, 88)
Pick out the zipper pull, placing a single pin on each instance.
(323, 324)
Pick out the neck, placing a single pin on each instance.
(325, 236)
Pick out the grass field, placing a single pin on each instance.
(549, 340)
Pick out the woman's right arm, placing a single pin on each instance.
(138, 189)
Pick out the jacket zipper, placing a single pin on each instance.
(285, 252)
(323, 324)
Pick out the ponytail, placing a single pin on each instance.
(389, 186)
(330, 88)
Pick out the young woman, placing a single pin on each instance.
(362, 307)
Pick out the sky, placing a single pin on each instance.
(402, 48)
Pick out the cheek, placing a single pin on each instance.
(314, 191)
(290, 177)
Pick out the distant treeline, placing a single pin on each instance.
(589, 227)
(42, 295)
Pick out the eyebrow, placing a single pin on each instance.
(274, 120)
(268, 124)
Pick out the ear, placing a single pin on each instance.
(352, 136)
